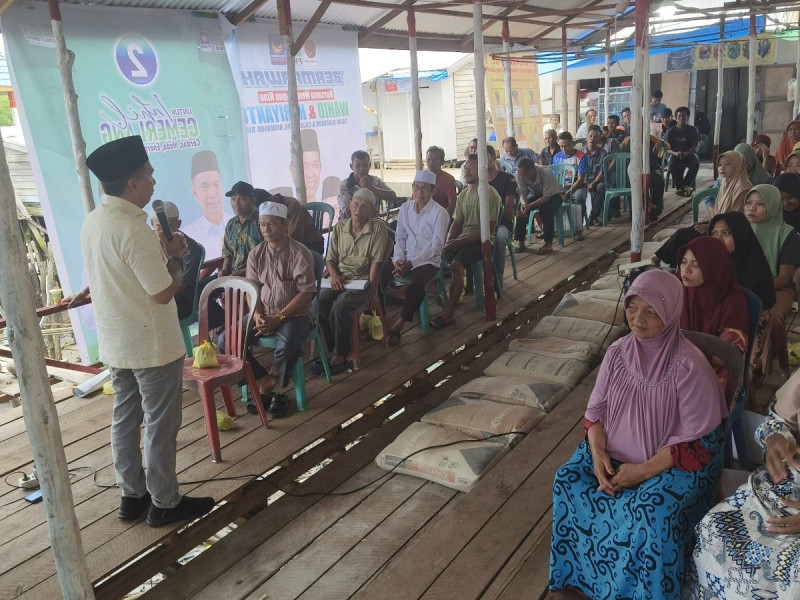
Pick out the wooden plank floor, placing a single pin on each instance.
(388, 382)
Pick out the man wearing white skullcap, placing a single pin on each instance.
(285, 269)
(421, 231)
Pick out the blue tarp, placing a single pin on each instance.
(431, 75)
(733, 29)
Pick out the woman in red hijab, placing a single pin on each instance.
(713, 303)
(786, 147)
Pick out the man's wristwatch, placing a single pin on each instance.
(177, 259)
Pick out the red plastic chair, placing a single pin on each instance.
(241, 298)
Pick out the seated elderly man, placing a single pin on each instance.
(419, 240)
(358, 246)
(285, 270)
(301, 223)
(463, 245)
(241, 233)
(184, 297)
(359, 178)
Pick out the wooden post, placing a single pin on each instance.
(415, 103)
(65, 59)
(720, 90)
(797, 75)
(637, 135)
(607, 78)
(646, 128)
(285, 25)
(564, 95)
(38, 407)
(751, 82)
(382, 162)
(490, 302)
(507, 79)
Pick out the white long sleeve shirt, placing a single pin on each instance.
(420, 236)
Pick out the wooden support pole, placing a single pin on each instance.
(720, 90)
(507, 79)
(796, 110)
(751, 82)
(564, 95)
(285, 24)
(309, 28)
(415, 102)
(646, 129)
(637, 134)
(65, 59)
(607, 77)
(490, 302)
(38, 406)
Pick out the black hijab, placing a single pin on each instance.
(668, 253)
(752, 268)
(790, 183)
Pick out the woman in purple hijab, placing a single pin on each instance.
(626, 503)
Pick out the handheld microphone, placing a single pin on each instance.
(158, 207)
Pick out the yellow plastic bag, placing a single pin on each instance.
(205, 357)
(794, 355)
(374, 326)
(224, 422)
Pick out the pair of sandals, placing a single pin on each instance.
(685, 192)
(277, 405)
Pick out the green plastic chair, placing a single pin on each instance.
(708, 193)
(191, 319)
(441, 296)
(298, 372)
(318, 211)
(507, 165)
(622, 187)
(560, 171)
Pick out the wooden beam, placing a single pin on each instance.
(531, 41)
(312, 23)
(4, 4)
(377, 25)
(247, 12)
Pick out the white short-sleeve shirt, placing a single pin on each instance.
(125, 266)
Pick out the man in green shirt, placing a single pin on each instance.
(463, 246)
(358, 246)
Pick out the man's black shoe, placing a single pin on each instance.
(187, 509)
(131, 508)
(279, 405)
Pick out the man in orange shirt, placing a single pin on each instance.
(444, 192)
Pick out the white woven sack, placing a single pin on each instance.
(519, 391)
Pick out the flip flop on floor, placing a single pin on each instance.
(341, 367)
(438, 322)
(394, 337)
(544, 251)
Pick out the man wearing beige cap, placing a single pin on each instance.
(209, 228)
(358, 246)
(133, 283)
(285, 269)
(418, 243)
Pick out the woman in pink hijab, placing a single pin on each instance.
(626, 503)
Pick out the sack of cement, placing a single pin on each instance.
(581, 306)
(556, 347)
(519, 391)
(611, 281)
(562, 371)
(457, 465)
(480, 419)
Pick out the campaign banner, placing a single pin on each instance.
(736, 54)
(329, 87)
(161, 74)
(525, 101)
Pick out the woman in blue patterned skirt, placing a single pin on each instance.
(626, 503)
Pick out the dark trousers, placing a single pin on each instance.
(291, 335)
(657, 193)
(547, 213)
(415, 294)
(683, 171)
(336, 317)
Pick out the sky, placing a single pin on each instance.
(377, 62)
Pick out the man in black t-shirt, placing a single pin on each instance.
(506, 187)
(682, 141)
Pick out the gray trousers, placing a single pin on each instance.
(152, 396)
(291, 335)
(336, 317)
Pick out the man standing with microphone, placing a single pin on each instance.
(133, 279)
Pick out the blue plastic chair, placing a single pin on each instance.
(622, 188)
(507, 165)
(560, 171)
(191, 319)
(702, 195)
(298, 372)
(734, 424)
(318, 212)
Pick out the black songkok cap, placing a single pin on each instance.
(242, 188)
(204, 161)
(115, 160)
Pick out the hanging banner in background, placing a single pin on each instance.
(329, 86)
(737, 54)
(160, 74)
(525, 101)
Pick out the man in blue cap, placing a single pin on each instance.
(133, 278)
